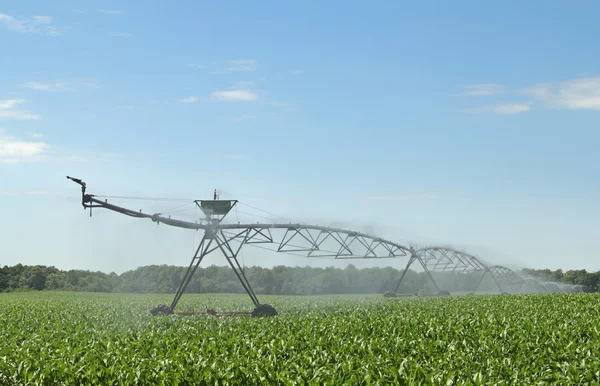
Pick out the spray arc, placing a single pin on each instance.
(312, 241)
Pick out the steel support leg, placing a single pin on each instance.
(520, 287)
(429, 274)
(485, 271)
(231, 257)
(410, 261)
(498, 284)
(196, 260)
(518, 290)
(222, 242)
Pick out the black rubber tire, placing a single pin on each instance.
(264, 310)
(162, 309)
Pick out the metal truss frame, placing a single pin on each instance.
(442, 259)
(315, 237)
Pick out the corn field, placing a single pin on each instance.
(64, 338)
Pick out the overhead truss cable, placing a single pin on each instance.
(264, 211)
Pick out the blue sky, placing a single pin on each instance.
(469, 124)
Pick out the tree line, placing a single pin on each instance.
(279, 280)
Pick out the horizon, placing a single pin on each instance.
(467, 125)
(416, 268)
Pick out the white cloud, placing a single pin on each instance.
(122, 35)
(243, 65)
(297, 71)
(36, 135)
(71, 85)
(34, 24)
(110, 11)
(41, 86)
(235, 95)
(18, 114)
(238, 65)
(574, 94)
(191, 99)
(14, 150)
(7, 111)
(508, 109)
(10, 103)
(539, 91)
(483, 89)
(513, 108)
(243, 84)
(42, 19)
(55, 31)
(15, 24)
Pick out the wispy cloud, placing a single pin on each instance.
(45, 20)
(235, 95)
(19, 115)
(297, 71)
(198, 66)
(574, 94)
(191, 99)
(7, 110)
(243, 84)
(508, 109)
(238, 65)
(34, 24)
(14, 150)
(110, 11)
(484, 89)
(243, 65)
(122, 35)
(70, 85)
(41, 86)
(10, 103)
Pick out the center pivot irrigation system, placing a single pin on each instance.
(299, 239)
